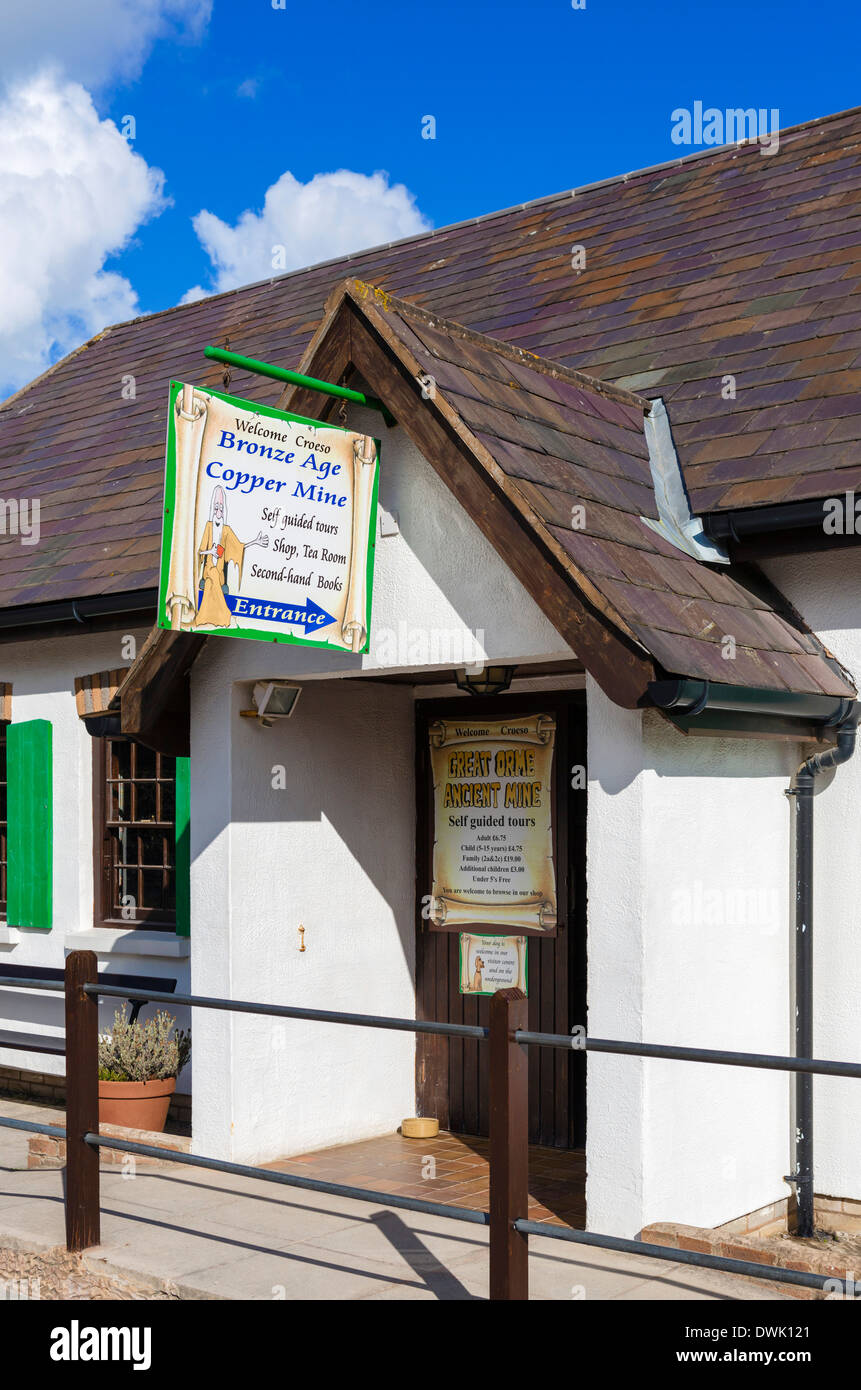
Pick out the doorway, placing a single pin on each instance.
(451, 1076)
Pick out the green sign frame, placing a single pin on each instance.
(169, 513)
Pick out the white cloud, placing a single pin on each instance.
(303, 223)
(72, 193)
(92, 41)
(196, 292)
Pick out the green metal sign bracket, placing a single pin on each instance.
(310, 383)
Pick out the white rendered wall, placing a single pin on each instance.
(42, 674)
(826, 589)
(688, 941)
(332, 851)
(615, 943)
(335, 849)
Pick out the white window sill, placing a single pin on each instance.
(9, 936)
(118, 941)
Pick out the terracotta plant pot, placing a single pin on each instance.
(136, 1104)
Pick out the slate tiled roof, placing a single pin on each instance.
(573, 452)
(729, 262)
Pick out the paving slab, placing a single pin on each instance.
(403, 1239)
(299, 1273)
(158, 1193)
(39, 1221)
(13, 1142)
(464, 1283)
(138, 1242)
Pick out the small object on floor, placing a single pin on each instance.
(420, 1128)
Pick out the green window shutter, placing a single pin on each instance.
(183, 847)
(30, 808)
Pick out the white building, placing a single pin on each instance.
(536, 503)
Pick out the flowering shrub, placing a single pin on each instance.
(143, 1051)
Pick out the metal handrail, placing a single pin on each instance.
(668, 1052)
(58, 985)
(774, 1273)
(780, 1274)
(243, 1006)
(716, 1056)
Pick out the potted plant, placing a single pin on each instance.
(138, 1067)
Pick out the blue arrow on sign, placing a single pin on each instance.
(308, 615)
(314, 616)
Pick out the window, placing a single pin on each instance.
(3, 851)
(135, 835)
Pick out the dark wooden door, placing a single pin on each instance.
(451, 1074)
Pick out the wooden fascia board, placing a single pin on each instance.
(502, 480)
(156, 680)
(329, 350)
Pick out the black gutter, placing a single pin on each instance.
(80, 610)
(826, 717)
(685, 697)
(786, 528)
(802, 789)
(756, 521)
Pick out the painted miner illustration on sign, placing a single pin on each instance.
(269, 524)
(221, 557)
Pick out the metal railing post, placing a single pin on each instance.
(82, 1102)
(509, 1146)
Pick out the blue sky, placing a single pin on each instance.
(528, 99)
(229, 95)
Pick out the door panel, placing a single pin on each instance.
(451, 1073)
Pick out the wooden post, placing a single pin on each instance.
(82, 1102)
(509, 1146)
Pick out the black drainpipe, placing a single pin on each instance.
(826, 717)
(802, 789)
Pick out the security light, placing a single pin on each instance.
(272, 700)
(490, 680)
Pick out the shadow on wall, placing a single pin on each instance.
(825, 589)
(337, 778)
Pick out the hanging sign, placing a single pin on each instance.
(269, 524)
(489, 963)
(493, 798)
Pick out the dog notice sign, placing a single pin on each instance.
(269, 524)
(489, 963)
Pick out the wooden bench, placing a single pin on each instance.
(9, 973)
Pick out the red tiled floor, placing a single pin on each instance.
(557, 1177)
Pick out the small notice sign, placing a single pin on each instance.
(269, 524)
(489, 963)
(493, 794)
